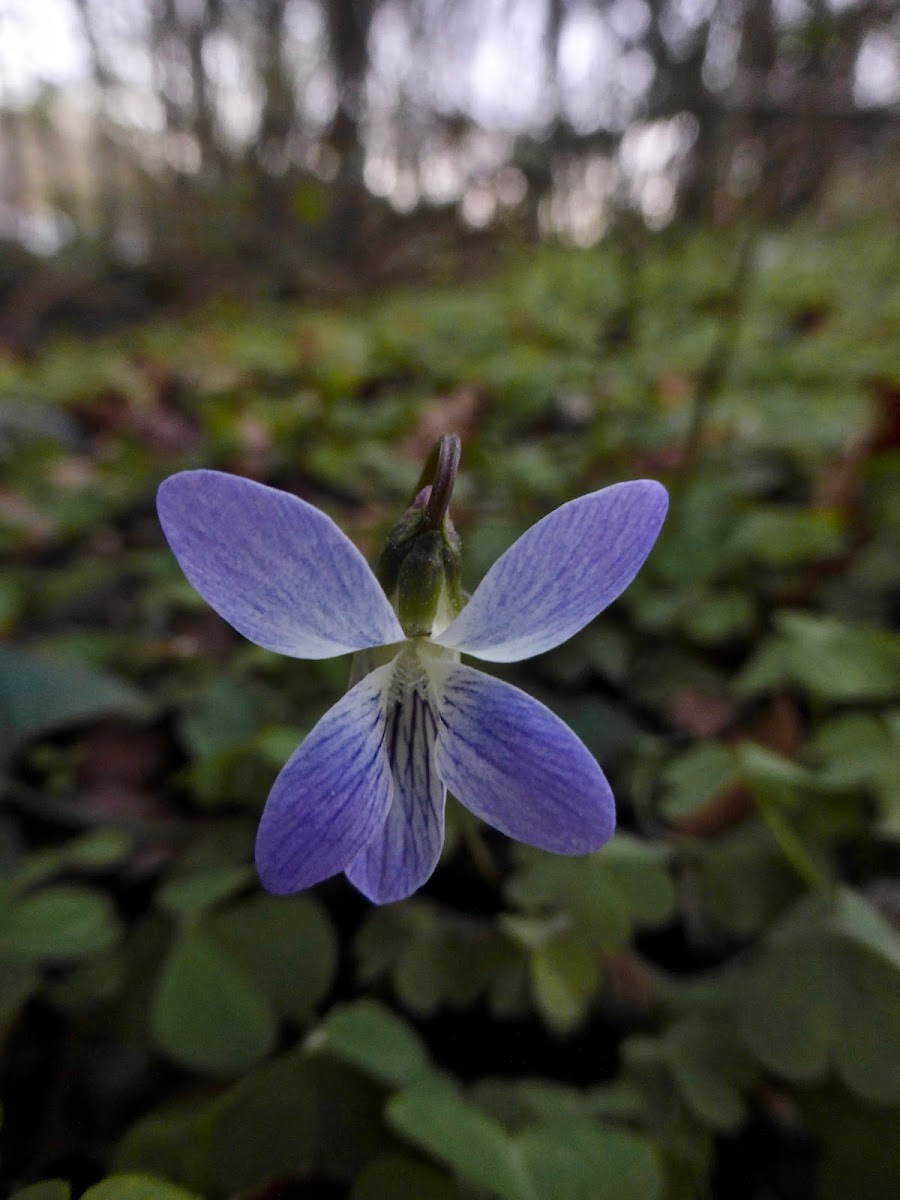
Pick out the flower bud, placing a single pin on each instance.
(420, 584)
(419, 568)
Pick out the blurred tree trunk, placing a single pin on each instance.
(170, 195)
(348, 23)
(58, 181)
(13, 170)
(180, 199)
(13, 164)
(107, 199)
(164, 33)
(824, 103)
(536, 158)
(279, 102)
(556, 11)
(793, 97)
(207, 19)
(679, 87)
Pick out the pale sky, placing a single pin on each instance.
(41, 42)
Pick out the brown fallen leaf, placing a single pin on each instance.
(457, 412)
(113, 752)
(700, 713)
(780, 728)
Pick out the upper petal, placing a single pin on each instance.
(277, 569)
(404, 851)
(332, 794)
(516, 765)
(560, 573)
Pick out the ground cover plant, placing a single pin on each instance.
(706, 1007)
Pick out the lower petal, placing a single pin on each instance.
(332, 794)
(404, 851)
(516, 765)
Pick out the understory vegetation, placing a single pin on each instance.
(705, 1008)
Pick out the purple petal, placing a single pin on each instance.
(518, 767)
(274, 567)
(560, 573)
(331, 796)
(405, 850)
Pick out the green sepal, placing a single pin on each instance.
(426, 581)
(419, 567)
(420, 584)
(398, 545)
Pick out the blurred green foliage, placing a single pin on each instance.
(658, 1020)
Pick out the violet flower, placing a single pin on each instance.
(364, 793)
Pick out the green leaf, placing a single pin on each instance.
(517, 1103)
(17, 982)
(277, 743)
(603, 726)
(97, 850)
(370, 1037)
(395, 1177)
(207, 1014)
(770, 773)
(785, 537)
(744, 883)
(433, 961)
(581, 1161)
(294, 1117)
(824, 993)
(12, 603)
(46, 1189)
(286, 944)
(687, 1144)
(866, 1045)
(189, 894)
(638, 869)
(434, 1117)
(855, 919)
(534, 933)
(163, 1142)
(606, 894)
(859, 1151)
(851, 747)
(381, 940)
(601, 649)
(426, 970)
(787, 1012)
(40, 694)
(565, 975)
(831, 659)
(265, 1125)
(87, 986)
(137, 1187)
(217, 718)
(711, 1069)
(696, 776)
(58, 923)
(718, 616)
(861, 750)
(608, 650)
